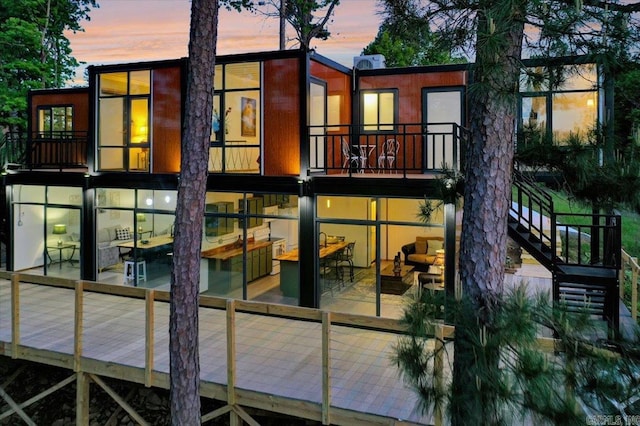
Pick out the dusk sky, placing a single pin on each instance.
(123, 31)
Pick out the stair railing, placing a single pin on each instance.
(592, 240)
(533, 207)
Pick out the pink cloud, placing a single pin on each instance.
(128, 31)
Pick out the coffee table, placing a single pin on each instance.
(392, 283)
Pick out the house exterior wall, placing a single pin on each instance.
(167, 119)
(410, 86)
(281, 91)
(77, 97)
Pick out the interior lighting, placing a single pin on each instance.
(59, 229)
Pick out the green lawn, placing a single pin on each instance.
(630, 220)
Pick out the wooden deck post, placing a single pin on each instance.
(77, 327)
(15, 315)
(149, 337)
(326, 368)
(234, 419)
(83, 383)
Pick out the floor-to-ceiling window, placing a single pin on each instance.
(362, 266)
(124, 120)
(134, 236)
(47, 230)
(245, 236)
(236, 125)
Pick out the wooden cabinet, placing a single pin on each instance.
(255, 205)
(215, 226)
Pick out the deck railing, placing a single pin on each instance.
(401, 149)
(117, 318)
(141, 315)
(629, 272)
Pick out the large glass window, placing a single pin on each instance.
(379, 110)
(47, 230)
(236, 124)
(245, 239)
(363, 263)
(124, 121)
(134, 236)
(559, 103)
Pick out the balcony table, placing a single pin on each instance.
(365, 151)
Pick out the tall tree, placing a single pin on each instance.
(405, 38)
(495, 31)
(34, 51)
(309, 18)
(185, 275)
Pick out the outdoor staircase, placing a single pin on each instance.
(584, 259)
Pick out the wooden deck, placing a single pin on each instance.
(283, 359)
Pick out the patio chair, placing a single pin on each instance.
(350, 159)
(387, 157)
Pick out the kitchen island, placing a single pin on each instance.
(289, 275)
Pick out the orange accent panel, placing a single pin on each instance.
(281, 117)
(410, 89)
(79, 99)
(338, 83)
(167, 120)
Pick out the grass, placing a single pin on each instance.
(630, 220)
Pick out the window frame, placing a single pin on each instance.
(379, 127)
(51, 131)
(128, 99)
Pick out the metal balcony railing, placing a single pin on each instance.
(400, 149)
(46, 150)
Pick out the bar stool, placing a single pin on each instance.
(130, 273)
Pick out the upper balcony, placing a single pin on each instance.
(54, 150)
(405, 150)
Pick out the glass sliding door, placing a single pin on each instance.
(442, 109)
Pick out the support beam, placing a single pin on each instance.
(41, 395)
(234, 419)
(83, 383)
(119, 400)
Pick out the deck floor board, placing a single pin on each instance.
(275, 356)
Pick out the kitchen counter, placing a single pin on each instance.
(227, 252)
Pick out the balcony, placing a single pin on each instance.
(403, 151)
(45, 150)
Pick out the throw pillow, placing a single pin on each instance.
(421, 245)
(433, 246)
(123, 234)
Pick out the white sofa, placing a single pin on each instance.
(107, 241)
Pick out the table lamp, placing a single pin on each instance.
(140, 217)
(59, 229)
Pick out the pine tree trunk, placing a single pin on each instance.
(185, 275)
(492, 108)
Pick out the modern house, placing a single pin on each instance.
(316, 175)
